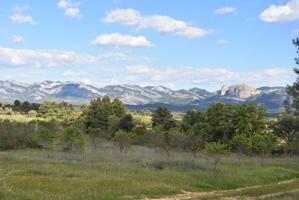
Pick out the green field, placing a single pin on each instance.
(108, 174)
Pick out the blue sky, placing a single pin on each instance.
(176, 43)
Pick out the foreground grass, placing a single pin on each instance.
(107, 174)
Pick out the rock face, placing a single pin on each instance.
(242, 91)
(143, 97)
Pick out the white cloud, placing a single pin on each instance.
(296, 31)
(221, 42)
(118, 40)
(20, 17)
(210, 78)
(161, 23)
(226, 10)
(17, 39)
(55, 58)
(70, 9)
(189, 74)
(71, 73)
(281, 13)
(276, 72)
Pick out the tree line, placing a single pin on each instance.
(244, 129)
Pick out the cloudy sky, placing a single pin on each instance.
(176, 43)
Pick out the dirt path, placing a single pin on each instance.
(227, 194)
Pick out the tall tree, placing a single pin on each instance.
(91, 114)
(126, 123)
(293, 90)
(219, 117)
(162, 117)
(287, 125)
(99, 111)
(118, 108)
(17, 103)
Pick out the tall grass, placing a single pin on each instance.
(105, 173)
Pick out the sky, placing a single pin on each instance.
(174, 43)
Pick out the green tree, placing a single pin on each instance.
(17, 103)
(194, 125)
(293, 90)
(72, 139)
(26, 106)
(126, 123)
(191, 118)
(241, 143)
(91, 113)
(98, 113)
(63, 112)
(248, 119)
(287, 125)
(113, 124)
(263, 144)
(219, 120)
(118, 108)
(163, 117)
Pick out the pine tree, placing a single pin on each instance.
(163, 117)
(293, 90)
(118, 108)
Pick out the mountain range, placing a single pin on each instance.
(137, 97)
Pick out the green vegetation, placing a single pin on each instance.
(103, 151)
(109, 174)
(79, 153)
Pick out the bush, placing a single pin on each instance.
(32, 113)
(14, 135)
(216, 150)
(241, 143)
(45, 138)
(140, 130)
(263, 144)
(126, 123)
(72, 139)
(293, 146)
(123, 139)
(95, 133)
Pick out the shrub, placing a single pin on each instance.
(241, 143)
(216, 150)
(123, 139)
(263, 144)
(14, 135)
(45, 138)
(126, 123)
(32, 113)
(72, 139)
(95, 134)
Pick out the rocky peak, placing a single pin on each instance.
(241, 91)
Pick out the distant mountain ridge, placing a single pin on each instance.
(138, 97)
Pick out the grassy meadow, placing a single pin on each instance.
(142, 173)
(104, 152)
